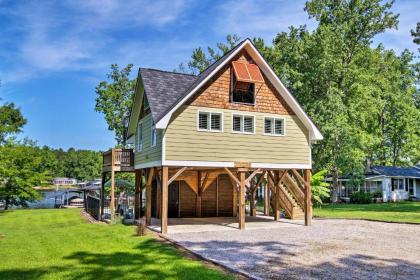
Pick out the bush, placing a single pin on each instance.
(361, 198)
(377, 195)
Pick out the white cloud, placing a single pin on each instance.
(76, 35)
(253, 18)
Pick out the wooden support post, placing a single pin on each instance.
(242, 201)
(164, 202)
(308, 198)
(267, 198)
(149, 179)
(101, 216)
(276, 196)
(137, 194)
(235, 200)
(199, 189)
(253, 210)
(112, 202)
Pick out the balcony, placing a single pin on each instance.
(118, 160)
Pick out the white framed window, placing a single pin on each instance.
(274, 126)
(153, 135)
(140, 137)
(243, 124)
(210, 121)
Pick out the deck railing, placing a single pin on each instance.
(118, 157)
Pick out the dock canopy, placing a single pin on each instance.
(247, 72)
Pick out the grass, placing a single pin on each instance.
(60, 244)
(407, 211)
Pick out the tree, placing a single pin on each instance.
(82, 164)
(416, 35)
(363, 99)
(319, 187)
(114, 100)
(11, 121)
(20, 170)
(200, 60)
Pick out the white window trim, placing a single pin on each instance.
(210, 113)
(151, 136)
(273, 134)
(140, 147)
(242, 123)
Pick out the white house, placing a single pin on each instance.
(395, 183)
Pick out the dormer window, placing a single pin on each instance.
(244, 77)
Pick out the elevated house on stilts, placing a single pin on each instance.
(202, 142)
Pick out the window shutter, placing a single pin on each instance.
(279, 127)
(248, 124)
(216, 121)
(236, 123)
(268, 126)
(203, 121)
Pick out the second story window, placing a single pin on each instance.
(244, 77)
(274, 126)
(153, 134)
(140, 137)
(210, 121)
(243, 124)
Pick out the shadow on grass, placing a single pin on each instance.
(150, 260)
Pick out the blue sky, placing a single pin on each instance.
(54, 53)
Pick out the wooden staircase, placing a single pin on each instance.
(292, 197)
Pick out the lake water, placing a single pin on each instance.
(48, 199)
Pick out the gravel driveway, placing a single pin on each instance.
(329, 249)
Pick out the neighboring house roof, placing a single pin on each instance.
(167, 91)
(163, 89)
(386, 171)
(392, 171)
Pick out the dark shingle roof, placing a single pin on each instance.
(163, 89)
(396, 171)
(166, 89)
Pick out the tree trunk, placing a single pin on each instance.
(335, 187)
(7, 202)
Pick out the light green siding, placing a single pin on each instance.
(185, 143)
(149, 153)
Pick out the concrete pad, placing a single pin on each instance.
(205, 224)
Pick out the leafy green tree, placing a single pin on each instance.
(320, 189)
(21, 168)
(11, 121)
(114, 99)
(201, 60)
(82, 164)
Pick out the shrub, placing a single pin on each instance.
(361, 197)
(377, 195)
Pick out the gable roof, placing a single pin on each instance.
(163, 89)
(167, 91)
(392, 171)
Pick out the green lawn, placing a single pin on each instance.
(59, 244)
(407, 212)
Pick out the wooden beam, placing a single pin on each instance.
(233, 177)
(242, 201)
(137, 193)
(204, 185)
(252, 176)
(179, 172)
(308, 198)
(164, 203)
(267, 198)
(297, 175)
(149, 180)
(277, 195)
(198, 199)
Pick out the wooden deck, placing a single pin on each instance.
(118, 160)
